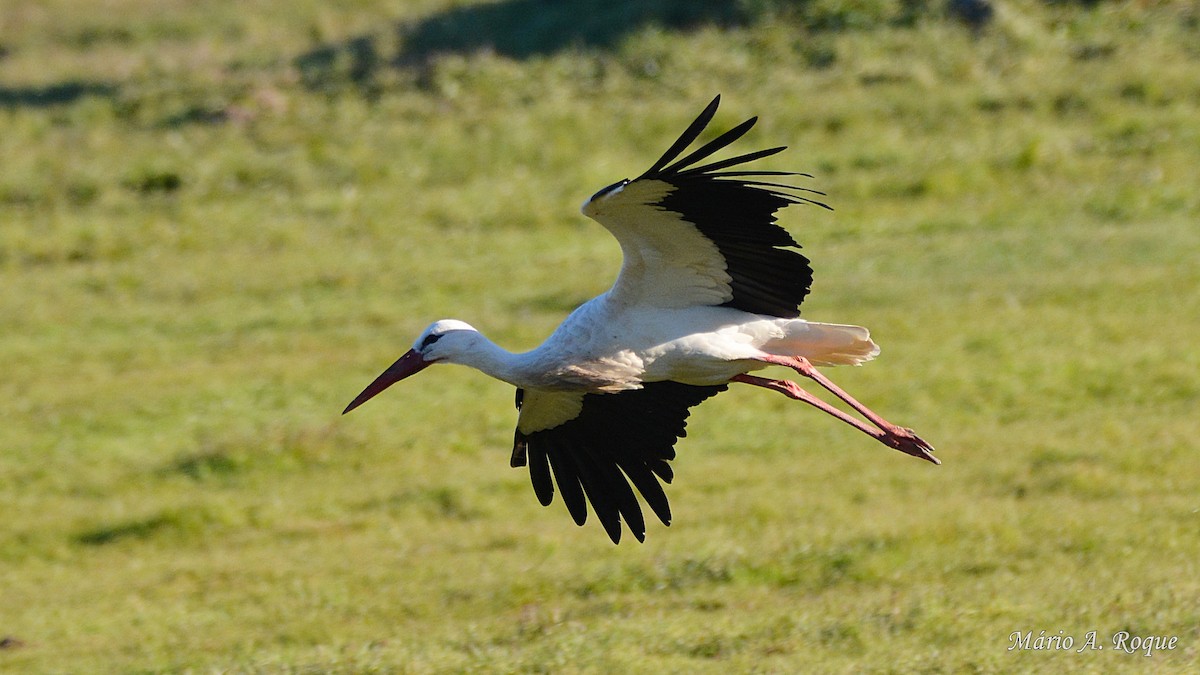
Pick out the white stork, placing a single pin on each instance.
(709, 291)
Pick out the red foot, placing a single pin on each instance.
(908, 442)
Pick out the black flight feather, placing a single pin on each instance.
(690, 134)
(617, 439)
(539, 475)
(567, 475)
(736, 211)
(713, 146)
(642, 477)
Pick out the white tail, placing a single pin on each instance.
(825, 344)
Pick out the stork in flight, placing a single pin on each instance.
(709, 290)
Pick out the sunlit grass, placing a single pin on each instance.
(218, 222)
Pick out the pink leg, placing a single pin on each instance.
(889, 434)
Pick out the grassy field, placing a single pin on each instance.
(219, 221)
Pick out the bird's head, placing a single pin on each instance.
(446, 340)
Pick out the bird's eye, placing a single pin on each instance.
(430, 339)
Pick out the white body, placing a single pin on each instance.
(607, 346)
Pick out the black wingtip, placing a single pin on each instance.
(712, 147)
(685, 139)
(733, 161)
(615, 535)
(595, 462)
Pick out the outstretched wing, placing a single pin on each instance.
(597, 444)
(706, 235)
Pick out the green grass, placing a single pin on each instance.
(218, 221)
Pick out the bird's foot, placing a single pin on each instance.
(907, 441)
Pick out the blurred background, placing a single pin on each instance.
(219, 221)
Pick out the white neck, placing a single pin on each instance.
(491, 359)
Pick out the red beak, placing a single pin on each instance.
(409, 364)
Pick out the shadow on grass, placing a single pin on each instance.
(518, 29)
(134, 529)
(522, 29)
(47, 96)
(180, 523)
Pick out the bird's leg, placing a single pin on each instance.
(795, 391)
(802, 366)
(899, 438)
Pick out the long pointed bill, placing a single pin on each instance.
(409, 364)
